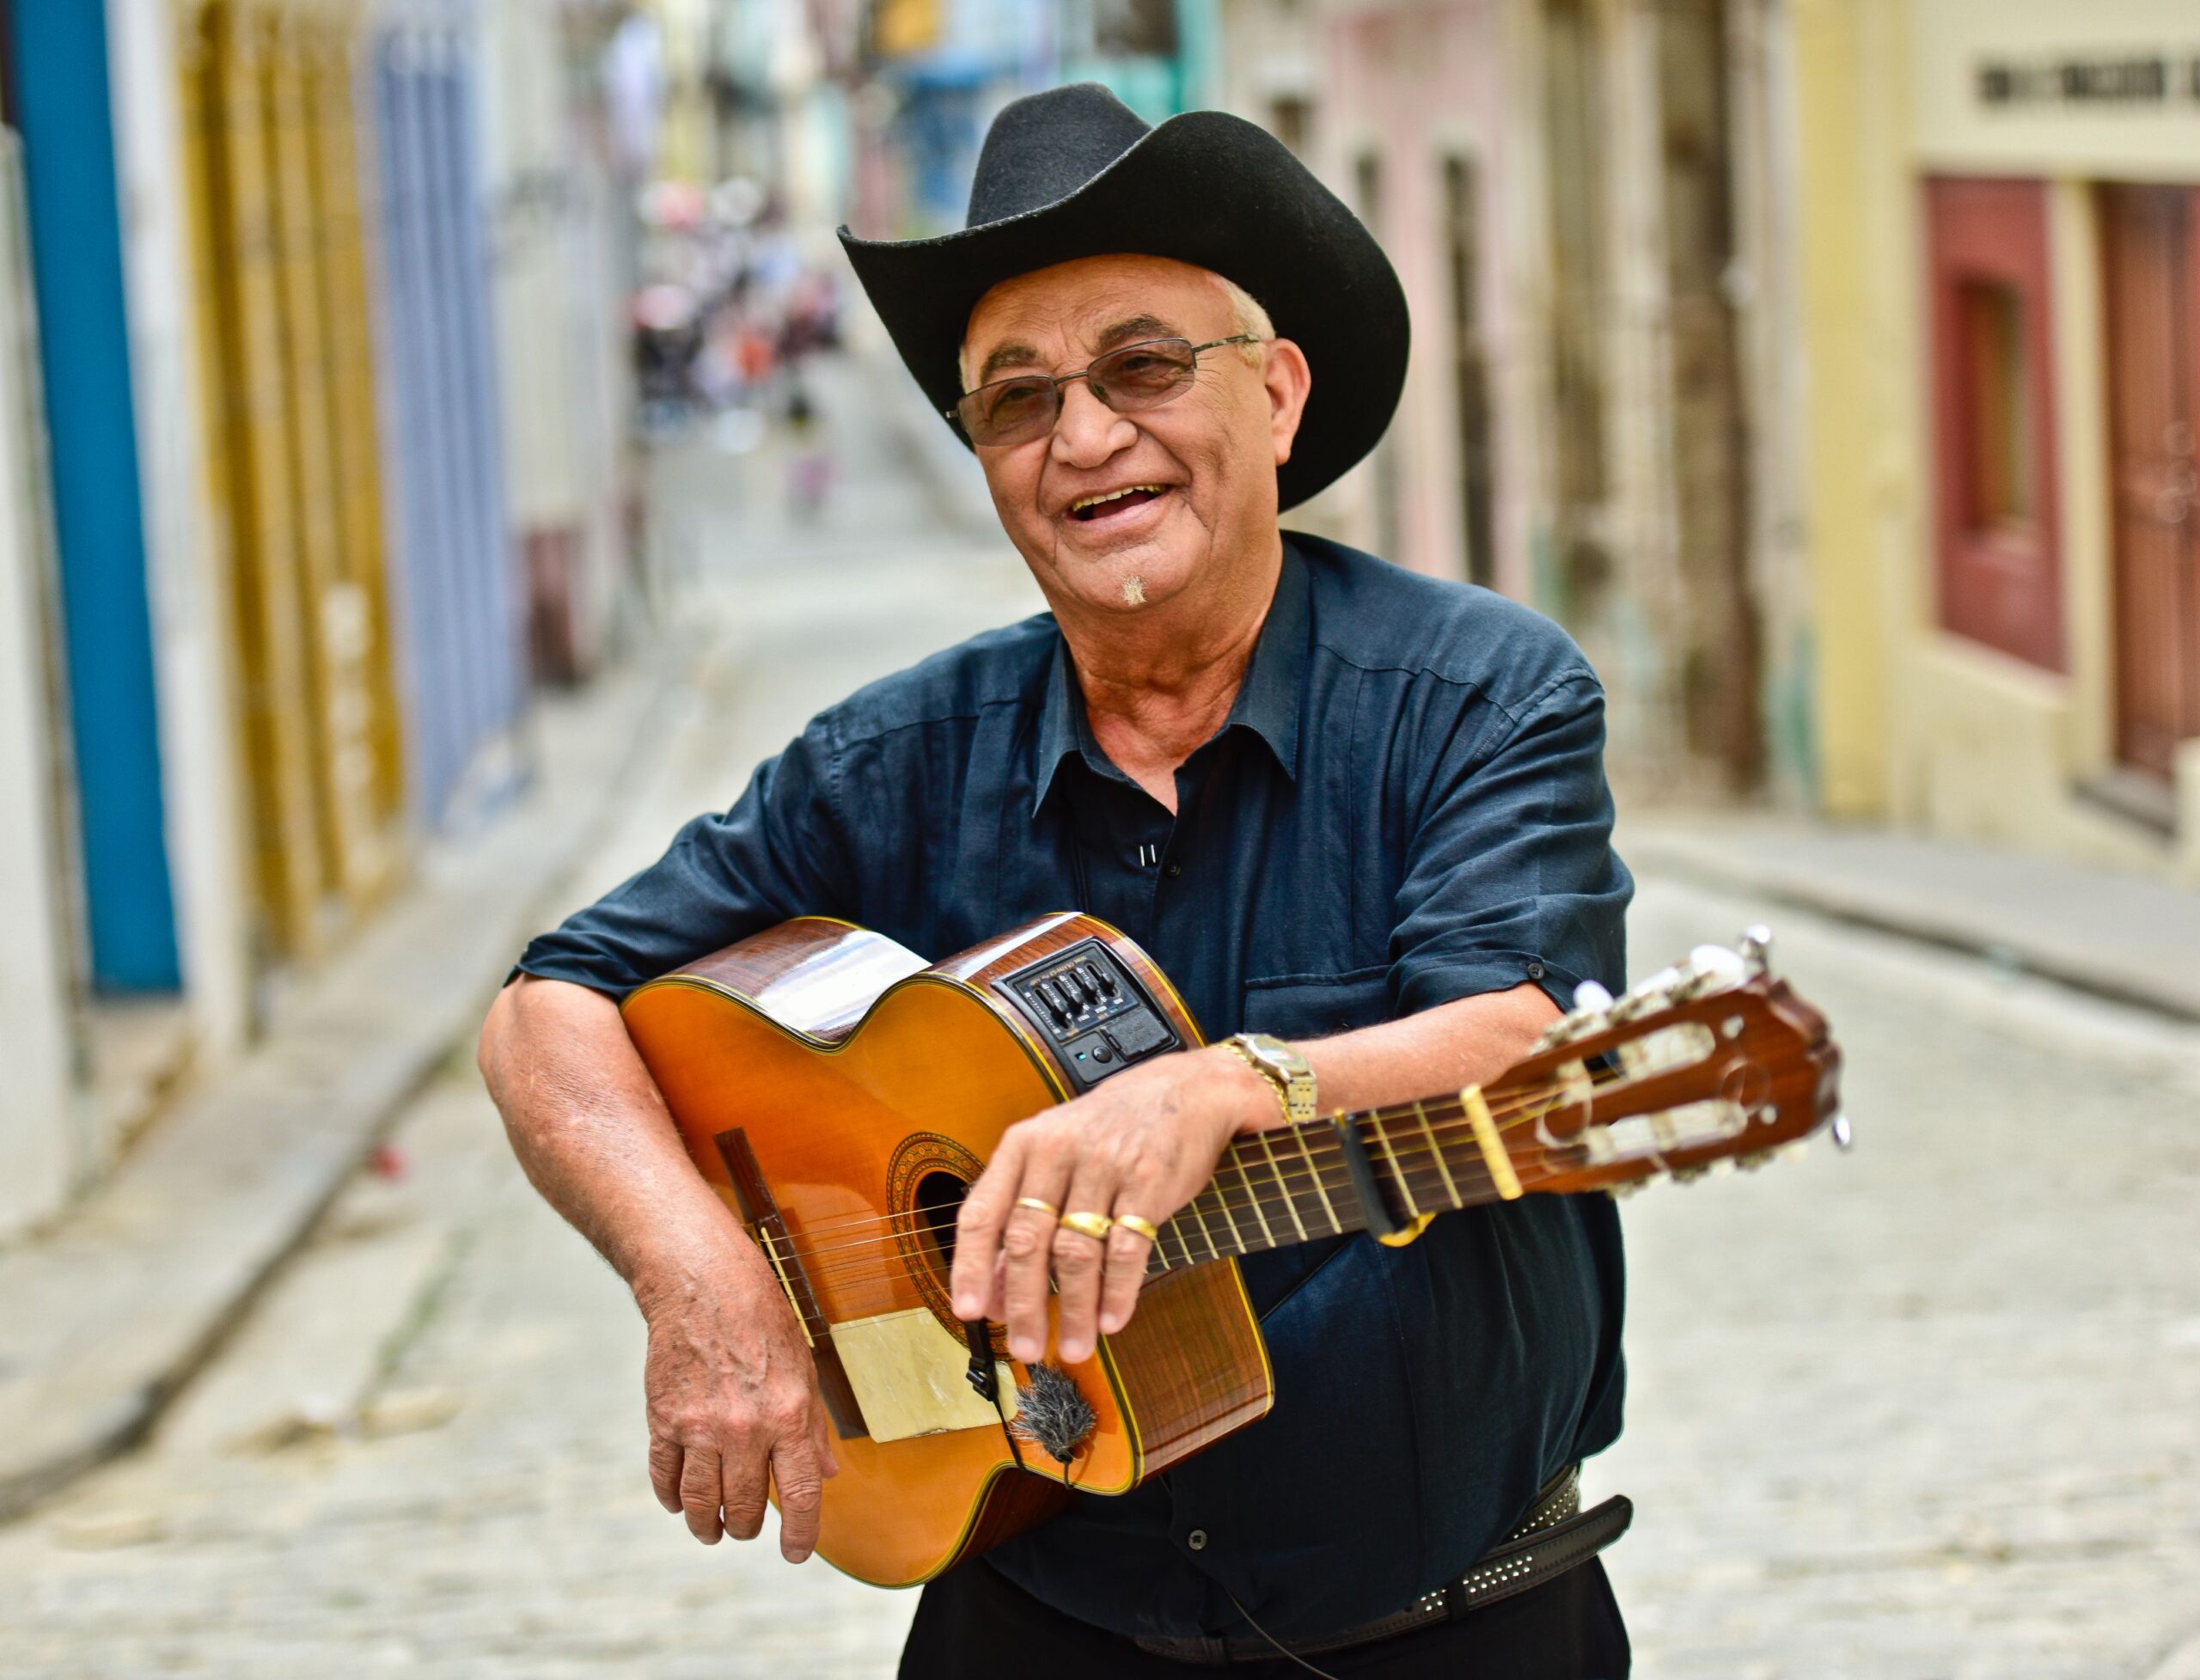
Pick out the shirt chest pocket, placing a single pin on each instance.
(1315, 1006)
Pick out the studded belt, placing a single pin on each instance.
(1554, 1536)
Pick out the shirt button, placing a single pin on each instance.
(1196, 1539)
(1535, 971)
(1175, 870)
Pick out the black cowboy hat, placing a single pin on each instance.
(1075, 173)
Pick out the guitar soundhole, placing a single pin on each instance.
(926, 1182)
(938, 1199)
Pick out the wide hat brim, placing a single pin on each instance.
(1206, 188)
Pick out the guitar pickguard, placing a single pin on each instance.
(911, 1376)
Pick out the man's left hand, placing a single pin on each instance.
(1144, 1143)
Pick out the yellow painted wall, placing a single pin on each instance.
(1915, 725)
(1850, 698)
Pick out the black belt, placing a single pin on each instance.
(1554, 1536)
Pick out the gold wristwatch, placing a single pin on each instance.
(1282, 1067)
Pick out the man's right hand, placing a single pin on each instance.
(733, 1403)
(733, 1400)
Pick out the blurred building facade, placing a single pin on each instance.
(291, 528)
(2000, 232)
(1583, 199)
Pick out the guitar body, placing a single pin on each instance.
(839, 1093)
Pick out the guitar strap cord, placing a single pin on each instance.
(982, 1377)
(1273, 1639)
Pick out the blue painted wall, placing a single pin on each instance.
(466, 683)
(84, 349)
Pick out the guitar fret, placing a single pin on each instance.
(1328, 1207)
(1222, 1201)
(1437, 1150)
(1405, 1189)
(1290, 1197)
(1206, 1236)
(1252, 1198)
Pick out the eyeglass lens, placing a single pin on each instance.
(1141, 376)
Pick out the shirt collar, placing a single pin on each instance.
(1266, 702)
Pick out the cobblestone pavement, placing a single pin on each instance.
(1924, 1410)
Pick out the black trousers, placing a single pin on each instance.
(973, 1621)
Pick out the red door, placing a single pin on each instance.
(1996, 524)
(2150, 298)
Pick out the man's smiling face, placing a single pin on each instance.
(1113, 510)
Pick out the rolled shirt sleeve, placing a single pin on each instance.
(777, 853)
(1510, 876)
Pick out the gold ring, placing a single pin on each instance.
(1145, 1228)
(1095, 1225)
(1039, 1206)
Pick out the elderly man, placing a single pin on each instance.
(1359, 816)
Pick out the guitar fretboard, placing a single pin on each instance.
(1294, 1184)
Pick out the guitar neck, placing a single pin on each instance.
(1297, 1184)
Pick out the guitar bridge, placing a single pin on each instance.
(761, 1211)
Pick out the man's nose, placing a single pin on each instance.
(1087, 431)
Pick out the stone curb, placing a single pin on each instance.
(2017, 911)
(103, 1321)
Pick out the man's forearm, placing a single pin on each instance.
(595, 1137)
(1441, 1049)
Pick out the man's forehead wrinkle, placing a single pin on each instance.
(1134, 329)
(1130, 330)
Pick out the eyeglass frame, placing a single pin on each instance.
(955, 413)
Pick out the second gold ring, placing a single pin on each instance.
(1095, 1225)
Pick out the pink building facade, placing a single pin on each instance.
(1581, 199)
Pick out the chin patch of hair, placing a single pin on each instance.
(1133, 591)
(1052, 1414)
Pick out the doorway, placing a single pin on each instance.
(2150, 299)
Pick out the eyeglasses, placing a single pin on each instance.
(1135, 376)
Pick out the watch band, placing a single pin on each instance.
(1282, 1067)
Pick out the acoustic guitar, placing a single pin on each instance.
(842, 1094)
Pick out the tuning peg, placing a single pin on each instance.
(1623, 1189)
(1756, 948)
(1712, 968)
(1752, 1160)
(1591, 995)
(1648, 995)
(1690, 1175)
(1837, 1129)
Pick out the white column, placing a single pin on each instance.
(37, 1083)
(194, 658)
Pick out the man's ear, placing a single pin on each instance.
(1289, 380)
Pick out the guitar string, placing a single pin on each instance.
(1417, 1156)
(1447, 1117)
(1449, 1107)
(844, 1279)
(843, 1282)
(1442, 1111)
(1419, 1168)
(1445, 1111)
(1420, 1172)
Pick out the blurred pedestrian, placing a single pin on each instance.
(810, 458)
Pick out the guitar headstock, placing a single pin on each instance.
(1711, 1060)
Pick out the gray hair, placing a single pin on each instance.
(1247, 315)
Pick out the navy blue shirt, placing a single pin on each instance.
(1407, 805)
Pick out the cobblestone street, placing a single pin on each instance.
(1919, 1412)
